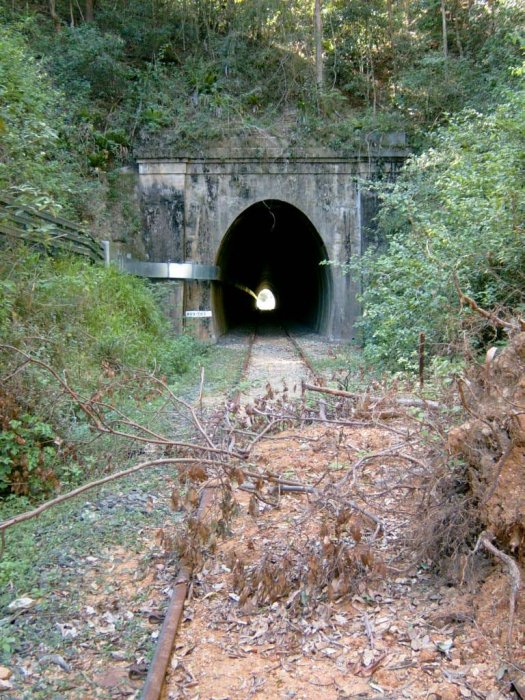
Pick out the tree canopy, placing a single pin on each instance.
(82, 83)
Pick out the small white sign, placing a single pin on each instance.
(198, 314)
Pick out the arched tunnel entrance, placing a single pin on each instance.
(272, 245)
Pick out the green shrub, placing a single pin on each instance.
(95, 326)
(35, 162)
(458, 208)
(27, 456)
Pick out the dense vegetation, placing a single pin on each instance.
(458, 210)
(95, 327)
(83, 84)
(104, 75)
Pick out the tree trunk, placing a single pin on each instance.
(54, 16)
(90, 10)
(319, 78)
(444, 27)
(390, 13)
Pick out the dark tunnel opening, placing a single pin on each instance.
(272, 245)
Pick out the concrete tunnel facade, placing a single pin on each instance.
(254, 217)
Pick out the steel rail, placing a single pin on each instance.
(159, 666)
(156, 678)
(304, 357)
(244, 369)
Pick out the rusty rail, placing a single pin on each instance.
(156, 677)
(157, 672)
(237, 394)
(304, 357)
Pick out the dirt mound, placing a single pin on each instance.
(492, 443)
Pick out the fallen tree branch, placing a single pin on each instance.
(379, 523)
(400, 400)
(514, 573)
(373, 455)
(260, 435)
(92, 410)
(316, 419)
(28, 515)
(258, 495)
(187, 406)
(464, 299)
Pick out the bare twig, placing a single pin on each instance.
(421, 358)
(369, 630)
(92, 410)
(514, 573)
(256, 439)
(22, 517)
(400, 400)
(186, 405)
(201, 389)
(15, 371)
(331, 421)
(373, 455)
(258, 495)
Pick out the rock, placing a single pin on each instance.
(5, 673)
(494, 695)
(21, 604)
(5, 685)
(112, 678)
(350, 688)
(55, 659)
(427, 655)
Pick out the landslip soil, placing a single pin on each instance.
(306, 595)
(395, 630)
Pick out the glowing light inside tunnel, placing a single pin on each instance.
(265, 300)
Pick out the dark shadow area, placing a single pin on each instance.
(272, 245)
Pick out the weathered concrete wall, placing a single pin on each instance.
(189, 205)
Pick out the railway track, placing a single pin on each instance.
(274, 358)
(274, 362)
(269, 617)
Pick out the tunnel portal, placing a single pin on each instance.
(272, 245)
(252, 211)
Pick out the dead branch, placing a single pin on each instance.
(378, 523)
(421, 360)
(330, 421)
(92, 409)
(201, 389)
(260, 435)
(514, 573)
(495, 320)
(258, 495)
(401, 400)
(373, 455)
(22, 517)
(273, 478)
(186, 405)
(354, 506)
